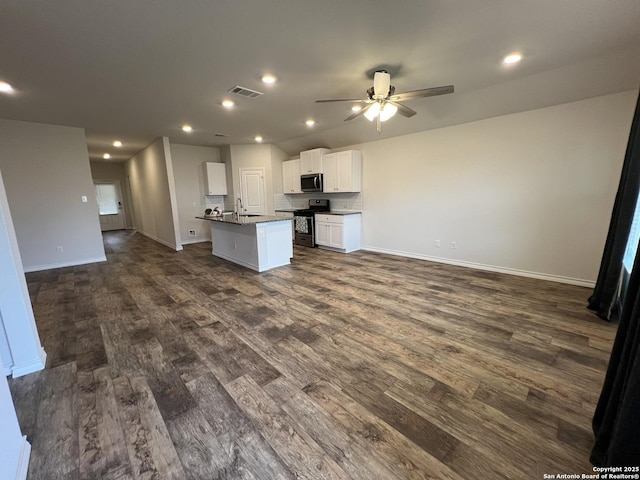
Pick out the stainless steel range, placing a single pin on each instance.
(304, 221)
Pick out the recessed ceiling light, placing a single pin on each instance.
(5, 87)
(258, 138)
(117, 143)
(310, 123)
(512, 58)
(268, 78)
(106, 156)
(356, 108)
(228, 103)
(187, 128)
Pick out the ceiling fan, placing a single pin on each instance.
(382, 101)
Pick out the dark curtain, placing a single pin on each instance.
(604, 297)
(616, 422)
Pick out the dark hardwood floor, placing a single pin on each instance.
(167, 365)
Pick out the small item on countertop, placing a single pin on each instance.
(217, 212)
(208, 211)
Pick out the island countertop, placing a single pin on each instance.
(243, 220)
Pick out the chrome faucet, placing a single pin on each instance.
(240, 208)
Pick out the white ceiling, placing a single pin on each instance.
(139, 69)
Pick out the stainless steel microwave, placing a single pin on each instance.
(311, 182)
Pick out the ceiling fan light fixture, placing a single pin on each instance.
(372, 112)
(356, 108)
(381, 84)
(387, 112)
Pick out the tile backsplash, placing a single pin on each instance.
(339, 201)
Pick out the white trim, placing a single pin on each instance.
(190, 242)
(479, 266)
(159, 240)
(36, 364)
(23, 459)
(37, 268)
(242, 263)
(7, 369)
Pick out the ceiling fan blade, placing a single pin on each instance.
(402, 110)
(340, 100)
(358, 113)
(426, 92)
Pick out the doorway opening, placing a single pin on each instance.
(109, 199)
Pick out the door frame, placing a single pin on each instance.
(123, 202)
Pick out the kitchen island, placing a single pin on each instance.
(256, 242)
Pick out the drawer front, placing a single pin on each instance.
(284, 214)
(323, 218)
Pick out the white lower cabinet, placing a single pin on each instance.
(338, 232)
(283, 214)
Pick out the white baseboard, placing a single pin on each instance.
(33, 365)
(490, 268)
(159, 240)
(200, 240)
(74, 263)
(23, 460)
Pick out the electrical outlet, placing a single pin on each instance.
(192, 232)
(453, 244)
(437, 243)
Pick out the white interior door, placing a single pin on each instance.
(110, 205)
(252, 191)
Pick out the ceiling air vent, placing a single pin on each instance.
(244, 92)
(218, 134)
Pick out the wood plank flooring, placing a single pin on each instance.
(165, 365)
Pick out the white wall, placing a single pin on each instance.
(14, 448)
(153, 194)
(115, 171)
(21, 351)
(527, 193)
(46, 173)
(188, 172)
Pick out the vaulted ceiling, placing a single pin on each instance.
(139, 69)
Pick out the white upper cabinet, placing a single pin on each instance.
(215, 176)
(291, 176)
(342, 172)
(311, 160)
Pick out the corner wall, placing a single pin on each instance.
(529, 193)
(46, 174)
(188, 172)
(153, 194)
(20, 349)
